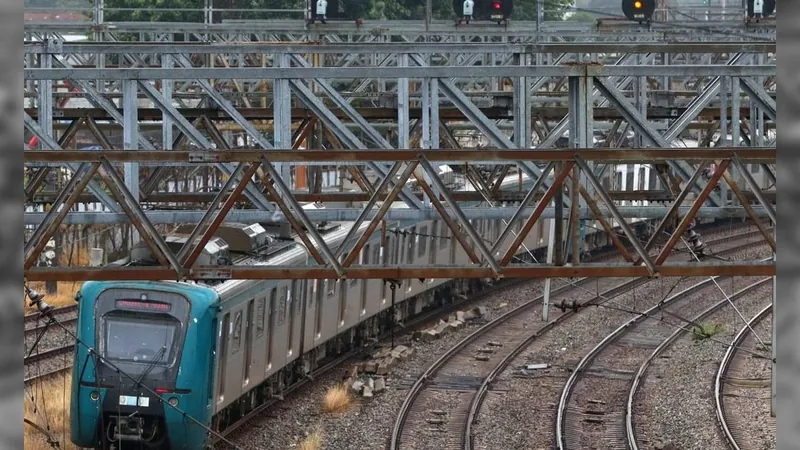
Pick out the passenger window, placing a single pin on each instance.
(410, 245)
(237, 332)
(423, 241)
(445, 231)
(260, 307)
(282, 306)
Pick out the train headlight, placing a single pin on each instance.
(173, 401)
(94, 396)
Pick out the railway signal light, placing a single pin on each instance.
(497, 5)
(760, 8)
(639, 10)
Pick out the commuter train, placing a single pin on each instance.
(209, 352)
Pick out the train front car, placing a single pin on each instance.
(154, 343)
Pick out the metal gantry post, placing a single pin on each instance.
(282, 106)
(166, 91)
(45, 98)
(402, 105)
(774, 345)
(130, 141)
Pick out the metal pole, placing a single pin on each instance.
(774, 345)
(393, 287)
(548, 281)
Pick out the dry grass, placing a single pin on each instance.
(311, 442)
(50, 411)
(337, 399)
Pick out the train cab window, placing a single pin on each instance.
(261, 306)
(237, 332)
(136, 338)
(423, 241)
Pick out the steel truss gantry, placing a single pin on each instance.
(487, 262)
(376, 99)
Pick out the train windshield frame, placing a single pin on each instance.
(138, 338)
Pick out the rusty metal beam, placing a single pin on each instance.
(696, 269)
(220, 216)
(373, 224)
(77, 183)
(208, 156)
(140, 221)
(677, 234)
(451, 224)
(673, 209)
(749, 209)
(548, 195)
(347, 197)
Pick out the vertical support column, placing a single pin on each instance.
(774, 346)
(736, 105)
(581, 135)
(282, 108)
(402, 105)
(522, 106)
(428, 14)
(166, 91)
(130, 141)
(723, 128)
(548, 282)
(45, 98)
(640, 94)
(430, 106)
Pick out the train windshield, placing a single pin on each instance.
(140, 338)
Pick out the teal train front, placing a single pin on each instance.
(152, 346)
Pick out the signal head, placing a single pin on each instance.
(637, 4)
(497, 5)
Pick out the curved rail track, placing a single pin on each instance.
(613, 425)
(468, 391)
(734, 433)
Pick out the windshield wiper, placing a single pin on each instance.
(152, 364)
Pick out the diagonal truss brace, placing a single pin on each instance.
(673, 209)
(643, 126)
(384, 184)
(193, 133)
(345, 135)
(190, 252)
(537, 212)
(47, 140)
(387, 204)
(748, 177)
(61, 206)
(476, 238)
(615, 212)
(131, 207)
(287, 196)
(687, 219)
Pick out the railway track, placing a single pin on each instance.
(596, 403)
(735, 431)
(466, 382)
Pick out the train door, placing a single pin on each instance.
(224, 332)
(248, 342)
(273, 294)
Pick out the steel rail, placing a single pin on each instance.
(598, 300)
(569, 385)
(433, 369)
(724, 366)
(642, 372)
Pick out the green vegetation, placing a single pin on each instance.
(704, 331)
(192, 10)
